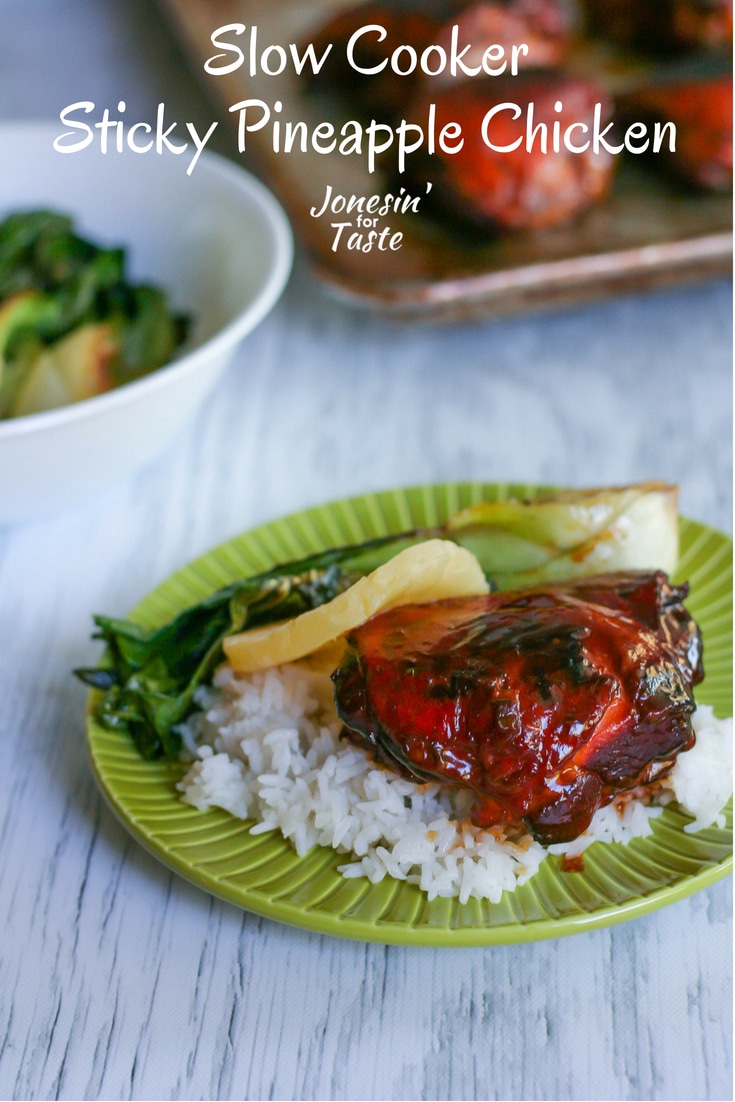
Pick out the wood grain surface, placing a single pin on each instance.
(119, 980)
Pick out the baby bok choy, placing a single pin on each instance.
(149, 676)
(72, 325)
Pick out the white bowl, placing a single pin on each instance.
(216, 241)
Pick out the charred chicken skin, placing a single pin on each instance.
(546, 703)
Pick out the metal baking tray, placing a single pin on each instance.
(648, 233)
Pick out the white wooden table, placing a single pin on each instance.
(118, 980)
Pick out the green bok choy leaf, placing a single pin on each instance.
(150, 676)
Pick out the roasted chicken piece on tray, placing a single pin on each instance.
(512, 186)
(545, 703)
(702, 113)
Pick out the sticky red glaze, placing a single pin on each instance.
(546, 702)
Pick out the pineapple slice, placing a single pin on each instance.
(428, 571)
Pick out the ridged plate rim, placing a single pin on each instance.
(217, 853)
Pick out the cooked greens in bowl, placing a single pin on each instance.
(72, 324)
(216, 242)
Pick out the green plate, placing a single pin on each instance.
(263, 874)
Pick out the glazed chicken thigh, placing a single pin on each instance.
(545, 703)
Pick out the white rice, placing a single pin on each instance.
(266, 746)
